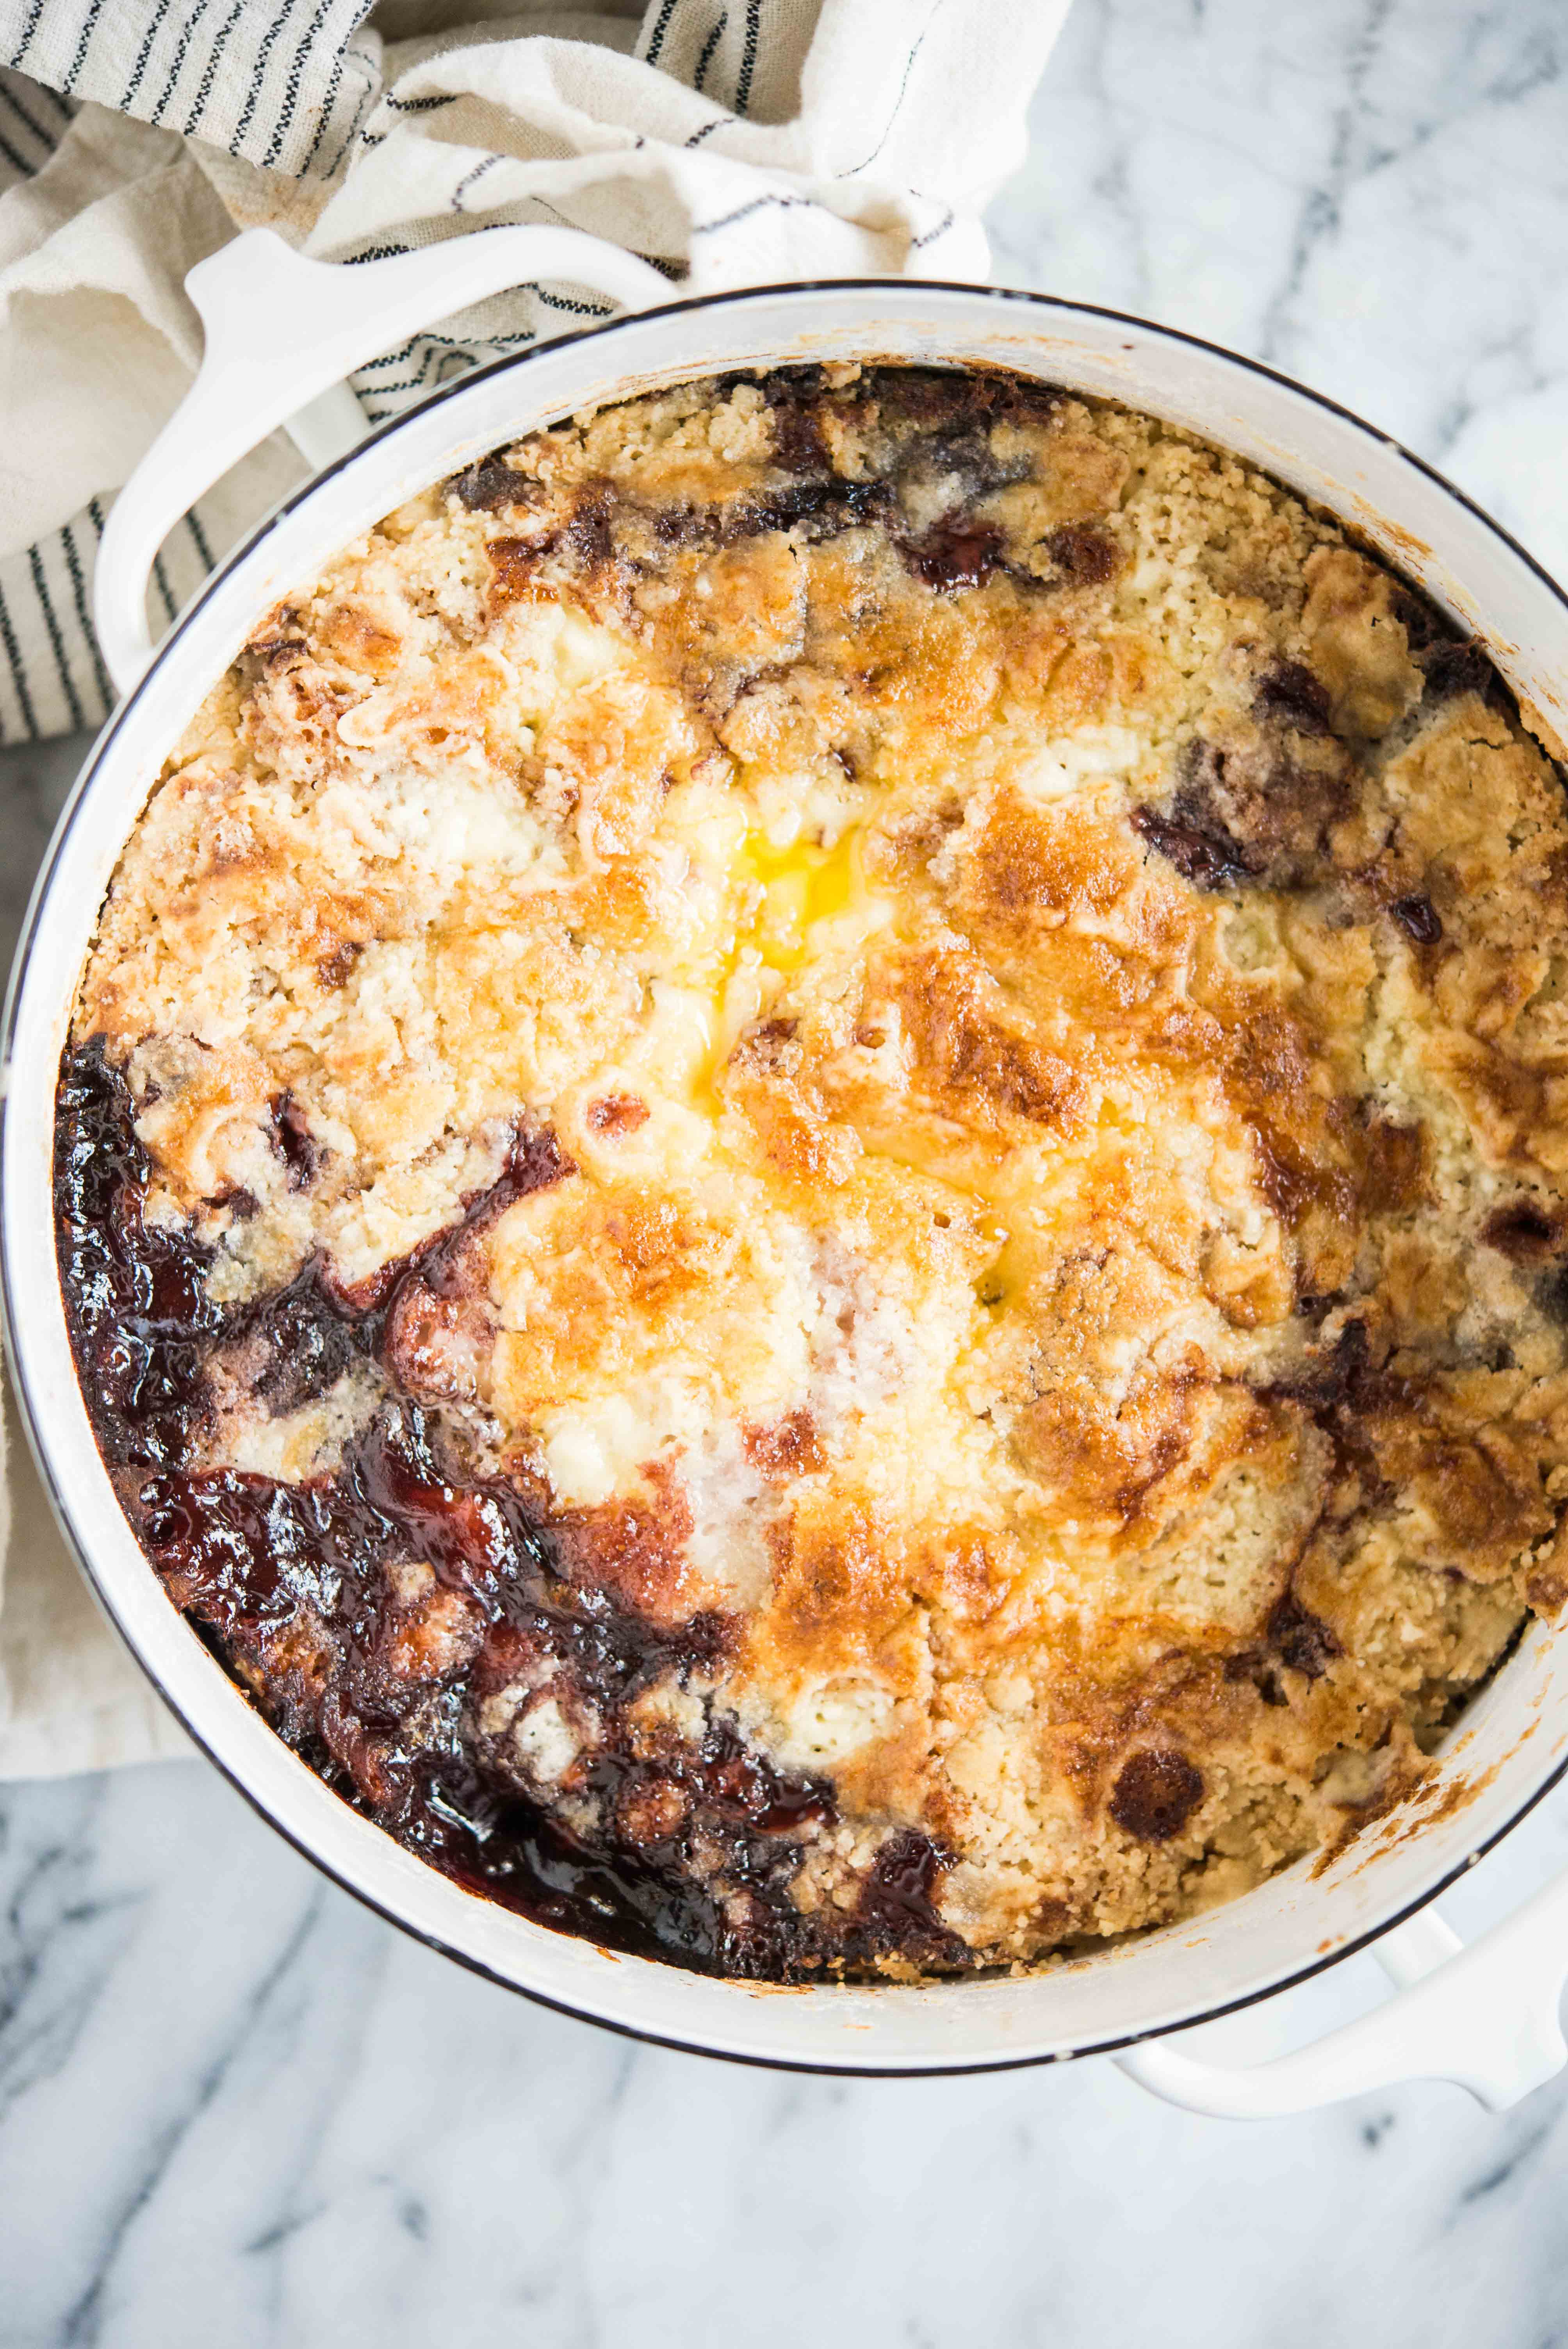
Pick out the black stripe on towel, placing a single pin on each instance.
(18, 677)
(258, 75)
(656, 38)
(178, 68)
(140, 67)
(161, 577)
(47, 139)
(285, 122)
(28, 29)
(57, 642)
(757, 205)
(209, 70)
(942, 226)
(887, 131)
(84, 618)
(366, 105)
(748, 55)
(705, 60)
(79, 60)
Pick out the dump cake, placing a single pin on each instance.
(813, 1176)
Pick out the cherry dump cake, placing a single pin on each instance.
(812, 1177)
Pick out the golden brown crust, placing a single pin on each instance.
(1051, 973)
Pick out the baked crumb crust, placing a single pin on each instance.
(812, 1177)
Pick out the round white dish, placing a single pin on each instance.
(281, 332)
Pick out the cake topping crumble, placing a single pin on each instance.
(811, 1174)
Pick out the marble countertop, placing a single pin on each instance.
(237, 2109)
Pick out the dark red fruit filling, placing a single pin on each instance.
(652, 1843)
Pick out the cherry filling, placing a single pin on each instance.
(409, 1624)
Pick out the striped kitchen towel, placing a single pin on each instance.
(730, 141)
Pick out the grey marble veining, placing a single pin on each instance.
(236, 2109)
(1370, 194)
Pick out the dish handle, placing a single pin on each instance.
(1485, 2017)
(282, 333)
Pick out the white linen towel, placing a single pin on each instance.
(729, 142)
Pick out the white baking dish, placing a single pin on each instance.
(281, 333)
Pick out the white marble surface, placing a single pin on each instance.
(236, 2109)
